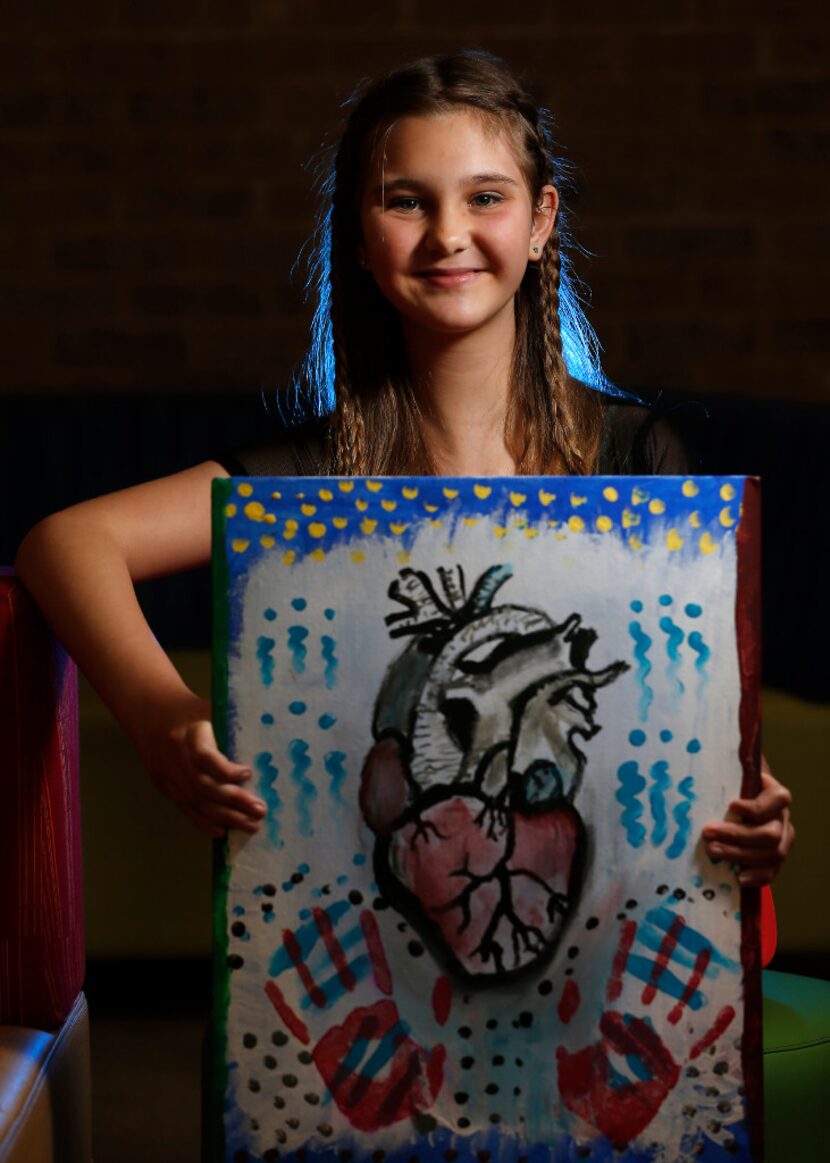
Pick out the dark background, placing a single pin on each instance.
(154, 197)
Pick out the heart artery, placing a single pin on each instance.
(493, 885)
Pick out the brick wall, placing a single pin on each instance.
(152, 195)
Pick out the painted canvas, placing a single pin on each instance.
(489, 719)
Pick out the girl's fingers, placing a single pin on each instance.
(226, 817)
(746, 857)
(229, 796)
(206, 756)
(743, 836)
(768, 804)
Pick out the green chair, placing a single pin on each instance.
(796, 1068)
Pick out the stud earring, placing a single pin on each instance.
(536, 250)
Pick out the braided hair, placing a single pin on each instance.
(356, 367)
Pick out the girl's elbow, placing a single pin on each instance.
(37, 545)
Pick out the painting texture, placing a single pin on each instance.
(489, 719)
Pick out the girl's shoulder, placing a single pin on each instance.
(294, 451)
(640, 440)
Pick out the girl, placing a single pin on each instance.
(445, 334)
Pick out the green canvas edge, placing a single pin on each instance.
(213, 1149)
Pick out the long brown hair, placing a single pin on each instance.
(553, 421)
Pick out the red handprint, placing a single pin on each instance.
(589, 1084)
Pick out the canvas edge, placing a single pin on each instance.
(213, 1145)
(748, 634)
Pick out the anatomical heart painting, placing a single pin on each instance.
(489, 719)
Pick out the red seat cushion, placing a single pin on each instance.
(41, 901)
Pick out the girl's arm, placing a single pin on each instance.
(80, 565)
(757, 834)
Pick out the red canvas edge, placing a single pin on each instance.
(748, 631)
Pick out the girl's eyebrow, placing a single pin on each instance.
(415, 184)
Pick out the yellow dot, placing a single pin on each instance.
(266, 541)
(694, 519)
(639, 496)
(610, 493)
(357, 556)
(674, 540)
(398, 527)
(339, 522)
(291, 524)
(270, 519)
(345, 486)
(435, 524)
(635, 542)
(325, 495)
(604, 524)
(318, 555)
(576, 523)
(308, 510)
(500, 531)
(317, 529)
(561, 536)
(289, 558)
(726, 519)
(289, 534)
(517, 498)
(410, 494)
(553, 523)
(238, 545)
(471, 521)
(530, 532)
(404, 556)
(727, 492)
(389, 506)
(255, 510)
(546, 498)
(244, 489)
(362, 505)
(482, 491)
(657, 506)
(576, 501)
(629, 519)
(450, 494)
(707, 543)
(374, 486)
(430, 508)
(689, 489)
(367, 525)
(230, 510)
(277, 496)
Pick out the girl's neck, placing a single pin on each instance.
(463, 389)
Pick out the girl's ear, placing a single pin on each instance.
(544, 216)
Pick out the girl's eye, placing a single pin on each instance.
(487, 199)
(404, 204)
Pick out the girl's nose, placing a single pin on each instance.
(448, 232)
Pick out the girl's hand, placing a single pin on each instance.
(180, 753)
(757, 834)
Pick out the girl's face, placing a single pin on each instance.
(448, 224)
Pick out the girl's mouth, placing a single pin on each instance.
(449, 278)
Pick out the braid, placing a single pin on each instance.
(569, 441)
(555, 449)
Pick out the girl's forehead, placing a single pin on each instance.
(458, 137)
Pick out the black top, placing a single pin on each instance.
(636, 441)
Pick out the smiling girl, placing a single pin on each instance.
(444, 342)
